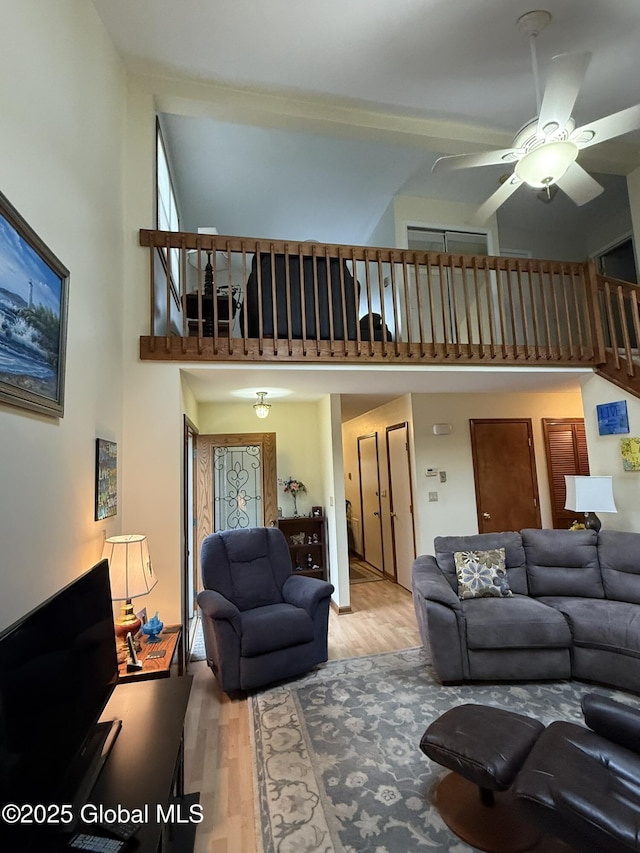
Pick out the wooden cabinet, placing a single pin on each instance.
(307, 541)
(146, 764)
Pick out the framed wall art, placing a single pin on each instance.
(106, 479)
(33, 318)
(613, 418)
(630, 450)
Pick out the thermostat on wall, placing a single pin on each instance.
(442, 429)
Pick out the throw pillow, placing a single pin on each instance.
(481, 573)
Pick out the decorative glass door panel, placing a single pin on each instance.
(236, 483)
(237, 487)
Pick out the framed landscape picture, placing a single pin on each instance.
(33, 318)
(106, 479)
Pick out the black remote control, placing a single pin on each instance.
(124, 830)
(95, 843)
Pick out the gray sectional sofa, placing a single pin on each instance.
(574, 611)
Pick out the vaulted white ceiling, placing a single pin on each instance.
(462, 60)
(462, 65)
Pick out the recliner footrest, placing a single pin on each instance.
(485, 745)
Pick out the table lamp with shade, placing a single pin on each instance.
(589, 495)
(131, 575)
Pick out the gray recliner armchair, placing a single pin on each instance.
(261, 622)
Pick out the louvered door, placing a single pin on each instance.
(566, 446)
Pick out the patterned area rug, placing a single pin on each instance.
(337, 757)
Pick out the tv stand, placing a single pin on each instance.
(84, 772)
(146, 763)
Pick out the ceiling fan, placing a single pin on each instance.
(545, 149)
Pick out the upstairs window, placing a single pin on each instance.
(167, 264)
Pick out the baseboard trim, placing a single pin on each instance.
(340, 610)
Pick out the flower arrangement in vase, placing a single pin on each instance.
(293, 487)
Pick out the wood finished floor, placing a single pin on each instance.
(218, 760)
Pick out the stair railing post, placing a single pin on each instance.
(595, 313)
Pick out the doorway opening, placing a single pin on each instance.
(618, 261)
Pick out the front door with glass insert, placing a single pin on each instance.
(236, 482)
(237, 487)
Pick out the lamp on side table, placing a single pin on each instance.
(589, 495)
(131, 575)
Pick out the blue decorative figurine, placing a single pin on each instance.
(152, 628)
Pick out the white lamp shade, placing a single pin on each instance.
(589, 494)
(130, 570)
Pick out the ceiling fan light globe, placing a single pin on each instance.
(546, 164)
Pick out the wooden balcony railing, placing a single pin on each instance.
(619, 308)
(311, 302)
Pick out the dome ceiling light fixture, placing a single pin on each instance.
(545, 150)
(261, 408)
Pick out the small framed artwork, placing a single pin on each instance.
(33, 318)
(142, 616)
(630, 450)
(106, 479)
(317, 511)
(613, 418)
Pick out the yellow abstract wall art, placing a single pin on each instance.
(630, 449)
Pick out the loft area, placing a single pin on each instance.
(301, 302)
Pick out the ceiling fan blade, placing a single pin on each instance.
(485, 158)
(605, 128)
(494, 201)
(579, 185)
(563, 84)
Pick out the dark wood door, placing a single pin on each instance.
(505, 474)
(566, 446)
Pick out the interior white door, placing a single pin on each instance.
(401, 503)
(370, 498)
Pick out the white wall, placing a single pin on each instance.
(608, 231)
(298, 430)
(62, 103)
(330, 457)
(604, 452)
(152, 395)
(455, 511)
(633, 187)
(545, 245)
(384, 232)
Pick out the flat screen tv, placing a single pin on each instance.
(58, 667)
